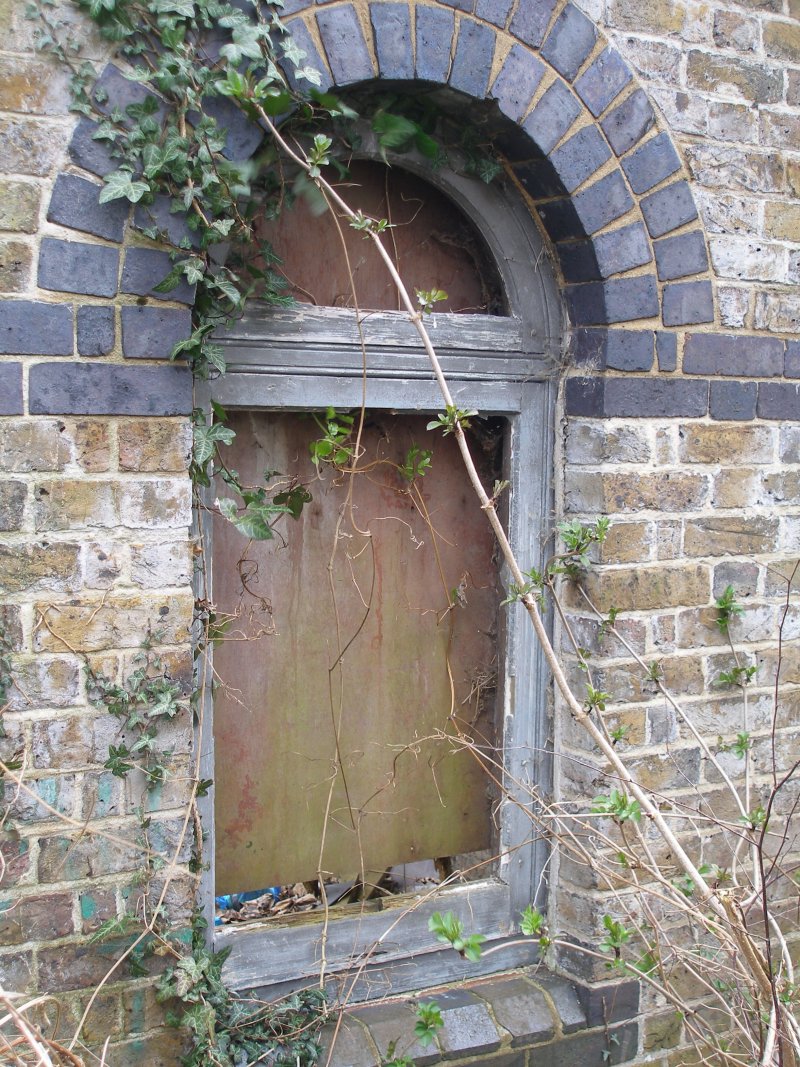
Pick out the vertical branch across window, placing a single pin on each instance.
(352, 741)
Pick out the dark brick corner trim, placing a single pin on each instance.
(11, 389)
(109, 389)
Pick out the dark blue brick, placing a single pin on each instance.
(655, 398)
(619, 300)
(741, 357)
(460, 5)
(147, 267)
(609, 1003)
(96, 333)
(630, 350)
(629, 299)
(578, 261)
(540, 179)
(622, 249)
(667, 351)
(668, 209)
(587, 348)
(531, 21)
(33, 328)
(603, 80)
(434, 29)
(74, 203)
(472, 63)
(152, 332)
(74, 267)
(85, 151)
(651, 163)
(688, 303)
(171, 224)
(494, 11)
(580, 157)
(570, 41)
(560, 219)
(391, 25)
(678, 257)
(242, 136)
(303, 39)
(627, 124)
(518, 80)
(584, 396)
(603, 202)
(11, 389)
(113, 90)
(792, 367)
(778, 400)
(345, 47)
(553, 115)
(109, 389)
(733, 401)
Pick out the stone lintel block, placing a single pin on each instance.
(570, 41)
(622, 249)
(74, 203)
(552, 117)
(565, 999)
(96, 331)
(651, 163)
(75, 267)
(531, 20)
(145, 268)
(668, 208)
(472, 62)
(617, 300)
(517, 81)
(688, 303)
(34, 328)
(733, 401)
(303, 39)
(610, 1002)
(391, 27)
(85, 151)
(682, 256)
(667, 350)
(778, 400)
(468, 1027)
(345, 47)
(109, 389)
(434, 30)
(151, 332)
(603, 80)
(627, 124)
(742, 357)
(608, 199)
(11, 389)
(580, 157)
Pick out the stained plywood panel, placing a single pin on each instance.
(433, 245)
(334, 734)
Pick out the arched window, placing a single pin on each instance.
(377, 716)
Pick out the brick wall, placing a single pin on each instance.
(658, 146)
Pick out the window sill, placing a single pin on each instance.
(498, 1019)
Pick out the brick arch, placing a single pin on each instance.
(580, 137)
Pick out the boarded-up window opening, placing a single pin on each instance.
(365, 650)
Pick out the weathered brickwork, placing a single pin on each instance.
(658, 147)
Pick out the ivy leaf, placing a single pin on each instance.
(393, 131)
(120, 185)
(206, 439)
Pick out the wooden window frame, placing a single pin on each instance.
(309, 358)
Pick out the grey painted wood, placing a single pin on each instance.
(311, 358)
